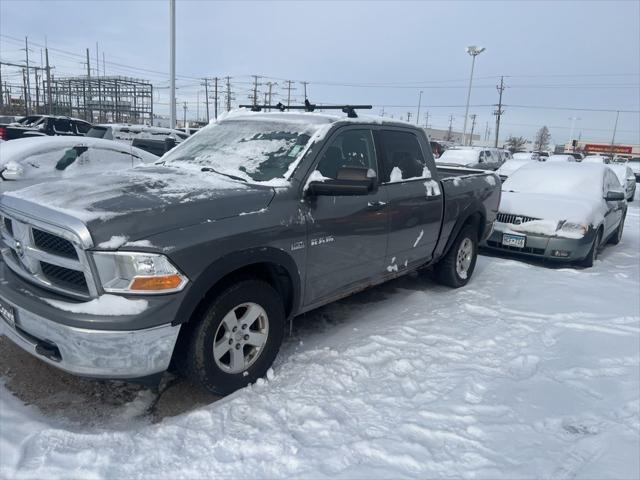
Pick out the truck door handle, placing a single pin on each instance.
(376, 205)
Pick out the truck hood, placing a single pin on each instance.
(144, 201)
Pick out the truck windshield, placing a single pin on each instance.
(251, 150)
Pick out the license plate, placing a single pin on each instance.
(7, 314)
(517, 241)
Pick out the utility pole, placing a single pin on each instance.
(228, 94)
(304, 84)
(46, 58)
(473, 126)
(206, 96)
(24, 87)
(255, 89)
(408, 117)
(498, 113)
(27, 98)
(270, 84)
(615, 128)
(449, 137)
(289, 88)
(184, 115)
(419, 104)
(172, 62)
(215, 98)
(426, 120)
(88, 107)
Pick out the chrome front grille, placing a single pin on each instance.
(514, 219)
(47, 256)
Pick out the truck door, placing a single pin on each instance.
(414, 199)
(347, 235)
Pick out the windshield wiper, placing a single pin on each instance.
(233, 177)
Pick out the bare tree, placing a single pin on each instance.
(543, 137)
(515, 143)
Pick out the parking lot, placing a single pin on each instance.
(530, 371)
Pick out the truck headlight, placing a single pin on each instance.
(137, 273)
(576, 228)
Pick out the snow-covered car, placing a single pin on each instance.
(561, 158)
(626, 178)
(596, 159)
(27, 161)
(634, 165)
(527, 156)
(511, 166)
(472, 157)
(560, 211)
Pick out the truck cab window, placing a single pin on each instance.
(403, 156)
(351, 149)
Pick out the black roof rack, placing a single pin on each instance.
(350, 110)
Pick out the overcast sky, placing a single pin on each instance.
(583, 55)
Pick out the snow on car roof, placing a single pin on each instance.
(571, 179)
(16, 150)
(459, 156)
(623, 172)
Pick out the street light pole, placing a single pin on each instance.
(419, 104)
(474, 52)
(172, 85)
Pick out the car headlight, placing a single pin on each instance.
(570, 227)
(137, 273)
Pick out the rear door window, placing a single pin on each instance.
(62, 125)
(402, 157)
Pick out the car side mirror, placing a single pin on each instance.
(614, 196)
(351, 181)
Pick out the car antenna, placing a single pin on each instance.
(350, 110)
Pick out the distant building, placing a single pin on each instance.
(593, 148)
(438, 135)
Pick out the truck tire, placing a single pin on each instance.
(591, 257)
(237, 338)
(456, 267)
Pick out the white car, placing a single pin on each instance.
(627, 179)
(527, 156)
(511, 166)
(595, 159)
(634, 165)
(562, 158)
(560, 211)
(483, 158)
(27, 161)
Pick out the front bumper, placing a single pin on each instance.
(83, 350)
(542, 246)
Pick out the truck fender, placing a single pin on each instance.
(474, 208)
(233, 262)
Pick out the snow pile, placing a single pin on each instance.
(114, 242)
(528, 372)
(104, 305)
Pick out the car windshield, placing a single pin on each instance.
(568, 179)
(250, 150)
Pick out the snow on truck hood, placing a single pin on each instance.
(146, 200)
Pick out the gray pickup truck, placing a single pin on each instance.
(198, 262)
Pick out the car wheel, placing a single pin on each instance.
(617, 236)
(237, 338)
(633, 196)
(457, 266)
(591, 257)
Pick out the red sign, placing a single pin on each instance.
(594, 147)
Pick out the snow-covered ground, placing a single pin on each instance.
(528, 372)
